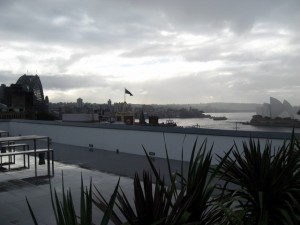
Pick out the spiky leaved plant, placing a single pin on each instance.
(190, 202)
(198, 188)
(64, 210)
(151, 204)
(263, 184)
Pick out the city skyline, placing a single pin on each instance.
(163, 52)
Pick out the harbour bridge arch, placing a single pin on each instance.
(32, 83)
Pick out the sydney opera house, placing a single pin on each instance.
(277, 113)
(276, 109)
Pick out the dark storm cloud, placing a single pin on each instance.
(74, 23)
(99, 21)
(117, 23)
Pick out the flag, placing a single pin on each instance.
(128, 92)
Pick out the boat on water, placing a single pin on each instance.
(169, 123)
(219, 118)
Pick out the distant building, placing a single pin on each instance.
(125, 117)
(122, 107)
(276, 109)
(79, 103)
(109, 104)
(16, 99)
(153, 120)
(24, 99)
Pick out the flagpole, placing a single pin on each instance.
(124, 96)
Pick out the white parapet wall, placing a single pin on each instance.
(80, 117)
(132, 139)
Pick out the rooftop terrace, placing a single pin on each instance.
(104, 167)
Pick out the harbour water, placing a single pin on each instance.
(234, 122)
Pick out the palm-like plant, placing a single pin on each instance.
(263, 184)
(151, 202)
(190, 202)
(64, 210)
(199, 189)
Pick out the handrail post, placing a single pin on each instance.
(35, 162)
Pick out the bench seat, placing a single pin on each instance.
(25, 152)
(11, 147)
(50, 153)
(15, 145)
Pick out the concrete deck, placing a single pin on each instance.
(17, 184)
(121, 163)
(104, 167)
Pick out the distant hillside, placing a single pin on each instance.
(211, 107)
(229, 107)
(216, 107)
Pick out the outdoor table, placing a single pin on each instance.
(35, 150)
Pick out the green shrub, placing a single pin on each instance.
(262, 184)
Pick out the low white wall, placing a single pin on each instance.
(129, 141)
(5, 126)
(81, 117)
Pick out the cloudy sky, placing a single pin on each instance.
(163, 51)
